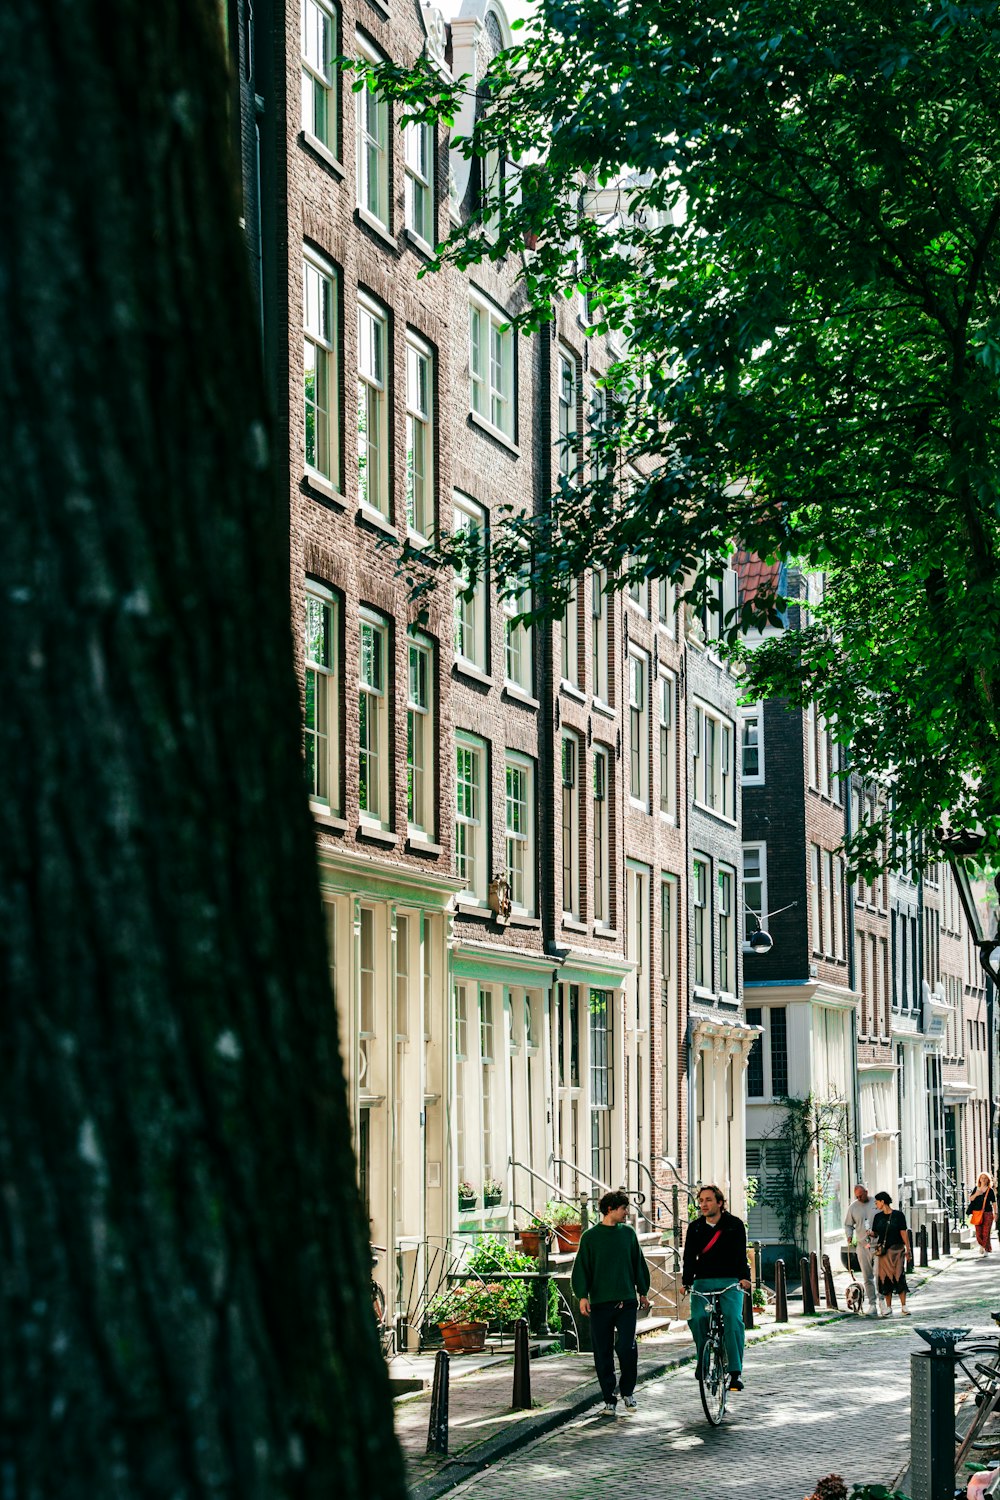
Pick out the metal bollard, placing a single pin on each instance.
(521, 1400)
(780, 1293)
(747, 1310)
(814, 1275)
(808, 1300)
(946, 1238)
(437, 1427)
(758, 1277)
(922, 1244)
(828, 1286)
(935, 1251)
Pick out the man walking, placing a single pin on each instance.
(715, 1257)
(858, 1226)
(611, 1279)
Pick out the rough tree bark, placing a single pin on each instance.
(183, 1277)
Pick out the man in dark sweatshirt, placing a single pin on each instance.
(611, 1279)
(715, 1256)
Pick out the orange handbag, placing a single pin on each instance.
(976, 1216)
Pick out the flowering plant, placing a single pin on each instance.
(466, 1190)
(481, 1302)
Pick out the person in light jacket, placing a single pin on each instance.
(858, 1227)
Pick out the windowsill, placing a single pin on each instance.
(600, 707)
(376, 835)
(468, 906)
(668, 817)
(315, 147)
(702, 994)
(522, 919)
(638, 805)
(417, 538)
(571, 690)
(418, 843)
(469, 669)
(362, 216)
(606, 932)
(366, 512)
(726, 997)
(713, 813)
(327, 819)
(573, 924)
(667, 630)
(494, 432)
(634, 604)
(519, 695)
(418, 242)
(322, 488)
(752, 781)
(380, 9)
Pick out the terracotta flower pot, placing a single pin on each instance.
(531, 1240)
(568, 1236)
(473, 1337)
(451, 1336)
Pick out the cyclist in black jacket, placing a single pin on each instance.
(715, 1256)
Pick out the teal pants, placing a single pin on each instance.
(732, 1318)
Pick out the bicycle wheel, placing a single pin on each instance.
(713, 1379)
(378, 1303)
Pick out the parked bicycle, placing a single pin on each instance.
(386, 1334)
(985, 1376)
(713, 1365)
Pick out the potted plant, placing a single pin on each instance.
(443, 1311)
(565, 1219)
(477, 1304)
(492, 1192)
(532, 1235)
(466, 1196)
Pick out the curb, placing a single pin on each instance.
(455, 1471)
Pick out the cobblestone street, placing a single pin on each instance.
(829, 1399)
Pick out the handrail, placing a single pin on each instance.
(560, 1161)
(565, 1197)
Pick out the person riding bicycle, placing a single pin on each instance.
(715, 1256)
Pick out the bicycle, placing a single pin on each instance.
(386, 1334)
(713, 1365)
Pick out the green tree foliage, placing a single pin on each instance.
(788, 214)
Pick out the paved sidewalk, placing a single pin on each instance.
(828, 1395)
(483, 1429)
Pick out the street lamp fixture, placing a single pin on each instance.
(759, 941)
(987, 947)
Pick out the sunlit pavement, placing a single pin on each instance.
(833, 1399)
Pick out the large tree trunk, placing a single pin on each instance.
(184, 1305)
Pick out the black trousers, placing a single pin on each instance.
(612, 1330)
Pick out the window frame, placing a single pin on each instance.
(569, 767)
(702, 954)
(758, 847)
(419, 351)
(519, 637)
(638, 730)
(321, 79)
(326, 347)
(332, 676)
(601, 801)
(474, 893)
(417, 180)
(748, 716)
(424, 827)
(726, 923)
(380, 695)
(567, 437)
(711, 759)
(487, 399)
(374, 388)
(471, 615)
(600, 624)
(524, 766)
(365, 141)
(666, 683)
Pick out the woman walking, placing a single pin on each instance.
(982, 1211)
(893, 1251)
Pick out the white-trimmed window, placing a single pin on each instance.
(569, 638)
(638, 716)
(373, 147)
(491, 366)
(754, 888)
(322, 703)
(702, 924)
(373, 407)
(598, 423)
(319, 317)
(816, 902)
(319, 77)
(602, 839)
(570, 756)
(567, 440)
(470, 823)
(420, 737)
(666, 699)
(727, 930)
(374, 759)
(666, 603)
(637, 938)
(420, 508)
(520, 820)
(637, 592)
(714, 768)
(519, 636)
(722, 597)
(600, 609)
(470, 599)
(752, 744)
(418, 146)
(670, 997)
